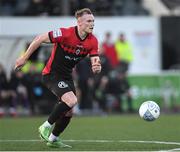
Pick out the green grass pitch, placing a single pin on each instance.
(107, 133)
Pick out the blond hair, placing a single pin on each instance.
(81, 12)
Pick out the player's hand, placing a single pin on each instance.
(20, 62)
(96, 64)
(96, 68)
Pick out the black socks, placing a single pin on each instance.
(60, 125)
(58, 111)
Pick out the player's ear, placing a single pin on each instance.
(79, 21)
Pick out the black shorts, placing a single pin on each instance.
(57, 85)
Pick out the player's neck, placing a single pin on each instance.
(82, 34)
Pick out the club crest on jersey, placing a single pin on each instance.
(57, 33)
(77, 51)
(62, 84)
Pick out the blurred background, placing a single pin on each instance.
(139, 49)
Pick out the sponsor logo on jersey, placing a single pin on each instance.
(77, 51)
(62, 84)
(80, 46)
(57, 33)
(72, 58)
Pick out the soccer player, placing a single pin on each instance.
(70, 46)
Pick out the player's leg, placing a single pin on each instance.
(58, 110)
(59, 127)
(68, 100)
(54, 141)
(64, 120)
(62, 123)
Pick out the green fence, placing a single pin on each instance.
(164, 89)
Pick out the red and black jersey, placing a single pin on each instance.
(68, 50)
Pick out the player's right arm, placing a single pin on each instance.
(21, 61)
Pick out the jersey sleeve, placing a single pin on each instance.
(94, 50)
(56, 36)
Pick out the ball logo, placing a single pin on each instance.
(148, 116)
(62, 84)
(151, 106)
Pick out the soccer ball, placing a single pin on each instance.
(149, 110)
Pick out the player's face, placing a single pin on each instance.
(86, 22)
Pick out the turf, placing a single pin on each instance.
(108, 133)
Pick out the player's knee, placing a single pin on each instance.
(72, 102)
(70, 99)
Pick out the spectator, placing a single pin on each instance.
(37, 7)
(84, 84)
(108, 49)
(124, 52)
(101, 79)
(118, 87)
(18, 84)
(7, 7)
(37, 92)
(6, 95)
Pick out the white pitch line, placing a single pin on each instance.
(176, 149)
(99, 141)
(20, 140)
(129, 141)
(152, 142)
